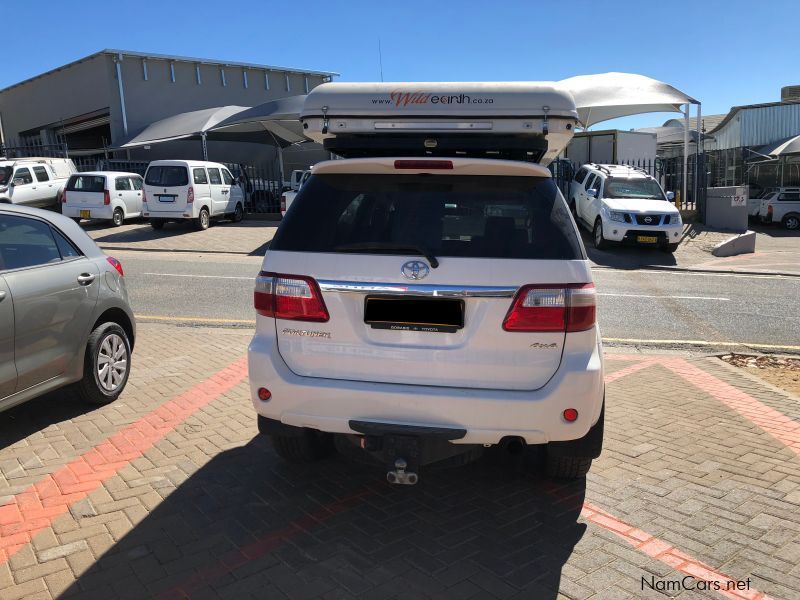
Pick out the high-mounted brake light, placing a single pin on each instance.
(557, 307)
(446, 165)
(106, 197)
(116, 264)
(190, 195)
(293, 297)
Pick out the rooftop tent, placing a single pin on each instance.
(608, 96)
(278, 118)
(520, 120)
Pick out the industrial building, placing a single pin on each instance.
(93, 105)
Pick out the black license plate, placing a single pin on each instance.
(403, 313)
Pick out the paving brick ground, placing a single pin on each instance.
(170, 493)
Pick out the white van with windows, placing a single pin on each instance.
(106, 195)
(194, 190)
(429, 295)
(36, 181)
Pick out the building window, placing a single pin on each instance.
(286, 80)
(222, 76)
(197, 74)
(266, 80)
(144, 68)
(244, 78)
(172, 71)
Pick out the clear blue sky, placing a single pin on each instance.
(723, 53)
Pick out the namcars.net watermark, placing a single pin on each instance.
(690, 583)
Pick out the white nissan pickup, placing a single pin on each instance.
(429, 295)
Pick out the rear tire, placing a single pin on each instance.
(791, 222)
(670, 248)
(308, 446)
(203, 221)
(567, 467)
(108, 347)
(118, 217)
(597, 235)
(238, 213)
(156, 224)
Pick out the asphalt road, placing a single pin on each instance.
(641, 306)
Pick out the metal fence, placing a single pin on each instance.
(668, 172)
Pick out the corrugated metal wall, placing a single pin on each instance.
(758, 126)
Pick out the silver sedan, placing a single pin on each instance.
(64, 312)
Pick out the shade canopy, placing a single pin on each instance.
(182, 126)
(608, 96)
(783, 147)
(277, 118)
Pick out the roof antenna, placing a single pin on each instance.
(380, 58)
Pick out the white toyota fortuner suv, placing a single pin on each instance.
(618, 203)
(420, 306)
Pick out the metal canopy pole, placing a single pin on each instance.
(205, 145)
(697, 162)
(685, 186)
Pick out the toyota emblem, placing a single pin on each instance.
(415, 269)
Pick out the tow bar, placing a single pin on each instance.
(400, 476)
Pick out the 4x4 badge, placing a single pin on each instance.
(415, 269)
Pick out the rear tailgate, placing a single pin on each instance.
(393, 316)
(166, 188)
(84, 191)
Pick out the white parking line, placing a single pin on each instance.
(198, 276)
(718, 299)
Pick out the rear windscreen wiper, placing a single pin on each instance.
(389, 246)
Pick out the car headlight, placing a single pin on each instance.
(675, 220)
(616, 215)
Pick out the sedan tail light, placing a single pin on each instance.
(560, 307)
(116, 264)
(293, 297)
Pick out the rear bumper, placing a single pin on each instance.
(173, 215)
(486, 415)
(95, 212)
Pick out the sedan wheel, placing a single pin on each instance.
(106, 365)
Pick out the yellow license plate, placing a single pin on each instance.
(646, 239)
(85, 214)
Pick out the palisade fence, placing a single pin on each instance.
(668, 172)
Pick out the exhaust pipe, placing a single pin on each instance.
(513, 445)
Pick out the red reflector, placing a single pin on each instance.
(116, 264)
(423, 164)
(570, 414)
(293, 297)
(106, 197)
(264, 394)
(552, 307)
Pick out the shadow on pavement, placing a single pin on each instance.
(36, 415)
(775, 230)
(249, 525)
(626, 257)
(143, 232)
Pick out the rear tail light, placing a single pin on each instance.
(283, 203)
(144, 197)
(568, 307)
(769, 212)
(190, 196)
(106, 197)
(424, 164)
(116, 264)
(64, 197)
(293, 297)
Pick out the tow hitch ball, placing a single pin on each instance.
(400, 476)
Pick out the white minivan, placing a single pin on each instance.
(107, 195)
(179, 190)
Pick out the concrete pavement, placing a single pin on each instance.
(169, 493)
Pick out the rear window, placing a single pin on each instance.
(581, 175)
(167, 176)
(466, 216)
(86, 183)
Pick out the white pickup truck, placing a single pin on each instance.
(287, 197)
(34, 181)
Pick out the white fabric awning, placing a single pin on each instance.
(608, 96)
(182, 126)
